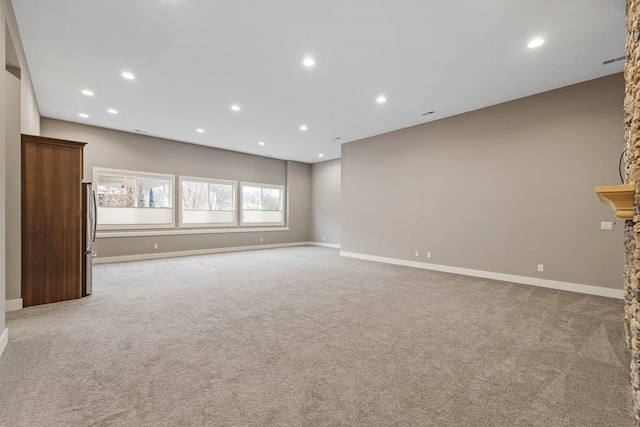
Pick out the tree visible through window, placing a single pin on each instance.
(262, 204)
(207, 202)
(133, 192)
(201, 196)
(133, 199)
(261, 199)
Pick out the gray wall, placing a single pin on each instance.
(19, 113)
(13, 192)
(325, 202)
(120, 150)
(3, 168)
(300, 200)
(500, 189)
(29, 118)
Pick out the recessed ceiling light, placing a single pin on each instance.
(303, 127)
(235, 107)
(381, 99)
(200, 130)
(309, 62)
(112, 111)
(83, 115)
(87, 92)
(261, 143)
(535, 43)
(127, 75)
(320, 155)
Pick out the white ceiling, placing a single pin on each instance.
(193, 59)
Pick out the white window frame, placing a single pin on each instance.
(283, 202)
(209, 181)
(142, 174)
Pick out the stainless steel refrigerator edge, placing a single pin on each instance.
(89, 223)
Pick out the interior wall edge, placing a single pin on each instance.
(3, 161)
(4, 339)
(30, 110)
(325, 202)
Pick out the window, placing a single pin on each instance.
(207, 202)
(129, 199)
(262, 204)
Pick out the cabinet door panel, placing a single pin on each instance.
(51, 220)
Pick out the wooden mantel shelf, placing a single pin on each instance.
(619, 198)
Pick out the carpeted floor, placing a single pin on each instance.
(303, 337)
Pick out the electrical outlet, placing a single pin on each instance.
(261, 239)
(323, 238)
(428, 254)
(540, 267)
(417, 253)
(606, 225)
(155, 246)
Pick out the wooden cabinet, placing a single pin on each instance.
(52, 172)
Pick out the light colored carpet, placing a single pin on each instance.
(302, 337)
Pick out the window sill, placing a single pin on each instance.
(174, 232)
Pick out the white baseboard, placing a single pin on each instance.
(325, 245)
(523, 280)
(160, 255)
(13, 304)
(4, 339)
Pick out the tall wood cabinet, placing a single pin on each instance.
(52, 171)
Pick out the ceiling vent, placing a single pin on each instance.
(611, 61)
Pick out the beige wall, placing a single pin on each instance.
(500, 189)
(325, 202)
(121, 150)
